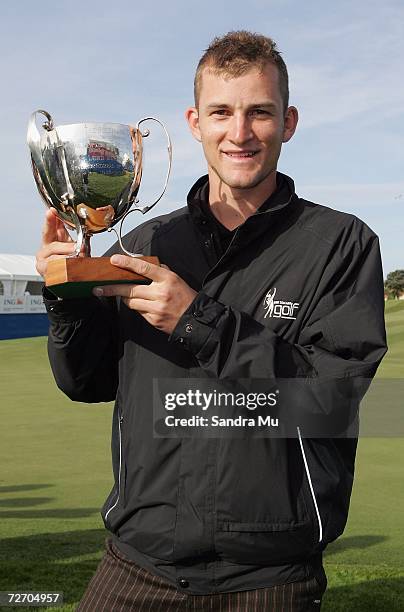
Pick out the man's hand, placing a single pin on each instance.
(162, 302)
(56, 242)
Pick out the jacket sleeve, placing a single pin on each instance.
(342, 337)
(83, 342)
(82, 347)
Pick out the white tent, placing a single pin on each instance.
(16, 271)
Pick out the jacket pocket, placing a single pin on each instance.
(115, 502)
(264, 543)
(313, 501)
(115, 499)
(264, 508)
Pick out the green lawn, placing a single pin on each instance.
(104, 189)
(55, 474)
(393, 364)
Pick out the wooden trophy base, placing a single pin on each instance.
(76, 277)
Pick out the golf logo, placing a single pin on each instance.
(278, 309)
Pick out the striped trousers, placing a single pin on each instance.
(119, 585)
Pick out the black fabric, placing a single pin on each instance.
(210, 227)
(298, 295)
(220, 235)
(120, 585)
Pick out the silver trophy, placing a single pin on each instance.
(90, 173)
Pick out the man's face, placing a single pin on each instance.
(242, 124)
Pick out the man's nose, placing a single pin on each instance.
(240, 129)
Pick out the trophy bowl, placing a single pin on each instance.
(90, 173)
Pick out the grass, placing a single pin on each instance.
(56, 473)
(393, 364)
(106, 188)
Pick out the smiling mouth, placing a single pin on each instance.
(240, 154)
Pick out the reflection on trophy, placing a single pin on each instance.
(90, 173)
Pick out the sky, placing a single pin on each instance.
(118, 62)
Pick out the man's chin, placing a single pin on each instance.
(243, 183)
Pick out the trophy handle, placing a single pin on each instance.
(135, 184)
(144, 134)
(34, 143)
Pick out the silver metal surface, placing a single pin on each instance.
(146, 208)
(90, 172)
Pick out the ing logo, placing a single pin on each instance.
(279, 309)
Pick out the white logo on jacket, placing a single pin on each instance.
(278, 309)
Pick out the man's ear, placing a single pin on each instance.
(290, 123)
(192, 117)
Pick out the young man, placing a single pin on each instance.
(259, 284)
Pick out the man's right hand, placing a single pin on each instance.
(56, 242)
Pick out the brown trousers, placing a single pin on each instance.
(119, 585)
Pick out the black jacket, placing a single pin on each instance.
(297, 294)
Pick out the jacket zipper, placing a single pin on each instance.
(306, 466)
(221, 258)
(120, 468)
(264, 212)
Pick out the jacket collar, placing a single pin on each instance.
(279, 205)
(281, 197)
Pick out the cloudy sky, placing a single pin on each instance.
(117, 62)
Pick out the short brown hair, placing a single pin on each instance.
(237, 52)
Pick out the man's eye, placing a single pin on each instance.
(221, 112)
(260, 111)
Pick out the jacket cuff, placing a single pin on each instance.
(198, 323)
(67, 309)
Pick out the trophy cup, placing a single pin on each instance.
(90, 173)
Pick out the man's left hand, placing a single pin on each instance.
(161, 303)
